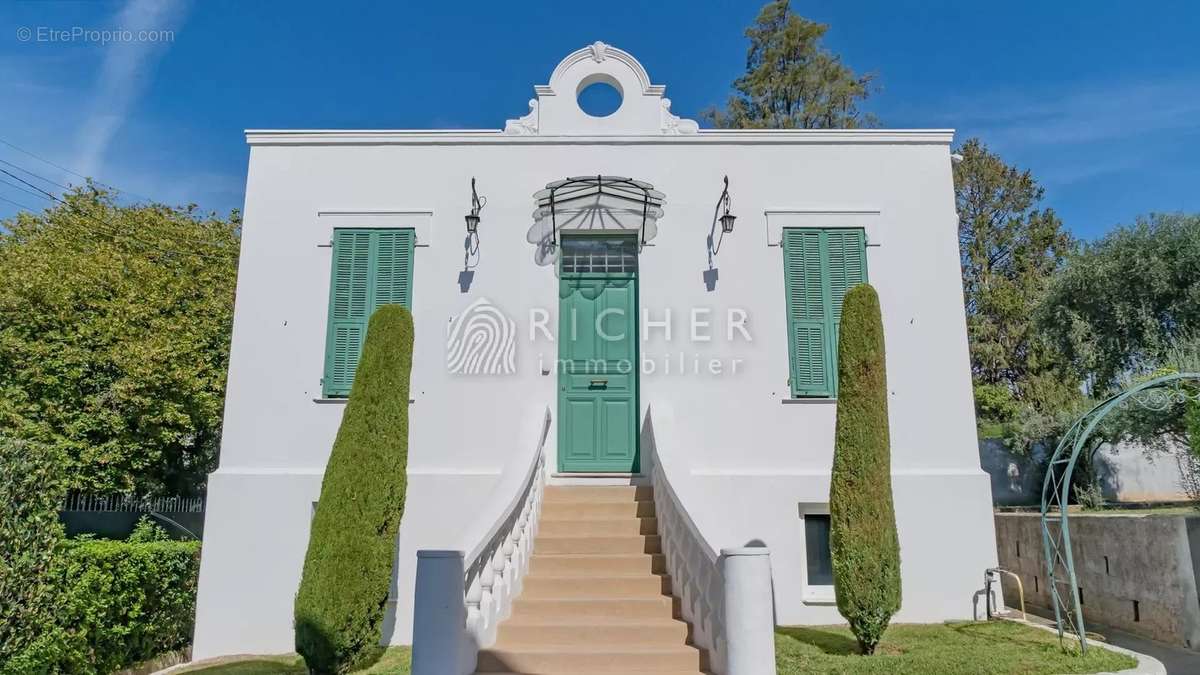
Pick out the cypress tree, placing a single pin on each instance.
(863, 541)
(348, 567)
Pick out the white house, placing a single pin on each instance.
(599, 327)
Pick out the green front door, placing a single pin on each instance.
(597, 355)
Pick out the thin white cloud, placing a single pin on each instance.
(1114, 110)
(1072, 134)
(124, 73)
(1083, 113)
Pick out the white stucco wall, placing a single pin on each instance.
(755, 453)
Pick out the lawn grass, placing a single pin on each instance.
(392, 661)
(992, 648)
(967, 648)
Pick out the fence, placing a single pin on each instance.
(114, 516)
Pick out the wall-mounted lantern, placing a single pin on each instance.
(727, 218)
(477, 204)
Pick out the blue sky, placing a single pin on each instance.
(1101, 99)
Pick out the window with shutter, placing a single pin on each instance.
(371, 267)
(819, 266)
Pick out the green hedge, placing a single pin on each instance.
(32, 486)
(116, 604)
(129, 601)
(863, 541)
(348, 567)
(82, 607)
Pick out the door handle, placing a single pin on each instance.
(599, 383)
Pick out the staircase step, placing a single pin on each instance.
(599, 510)
(596, 600)
(596, 632)
(581, 609)
(552, 661)
(574, 587)
(612, 545)
(575, 527)
(590, 565)
(588, 493)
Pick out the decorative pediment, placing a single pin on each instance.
(643, 109)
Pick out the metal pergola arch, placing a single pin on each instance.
(1159, 393)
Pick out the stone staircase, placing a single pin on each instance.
(596, 598)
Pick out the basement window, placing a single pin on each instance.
(817, 580)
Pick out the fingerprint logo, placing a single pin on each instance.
(482, 341)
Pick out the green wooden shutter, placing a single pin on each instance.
(392, 269)
(847, 267)
(807, 312)
(370, 268)
(819, 267)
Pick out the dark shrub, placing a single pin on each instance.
(863, 542)
(348, 568)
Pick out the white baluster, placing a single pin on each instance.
(518, 555)
(510, 549)
(474, 612)
(487, 578)
(500, 593)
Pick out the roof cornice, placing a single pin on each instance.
(498, 137)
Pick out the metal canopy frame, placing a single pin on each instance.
(1159, 393)
(578, 188)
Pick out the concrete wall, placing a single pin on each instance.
(1119, 559)
(1127, 474)
(756, 453)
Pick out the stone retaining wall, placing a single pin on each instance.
(1136, 572)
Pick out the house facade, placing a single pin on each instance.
(599, 310)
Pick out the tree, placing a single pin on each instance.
(348, 566)
(1122, 302)
(1010, 249)
(1170, 425)
(792, 81)
(863, 542)
(114, 338)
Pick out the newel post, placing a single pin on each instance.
(749, 611)
(439, 614)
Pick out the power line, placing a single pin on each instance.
(23, 170)
(73, 173)
(18, 204)
(13, 175)
(43, 159)
(18, 187)
(111, 233)
(46, 195)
